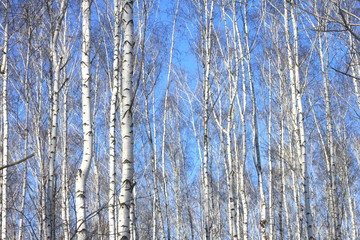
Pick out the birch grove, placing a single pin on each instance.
(187, 119)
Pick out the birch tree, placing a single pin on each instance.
(56, 64)
(83, 170)
(297, 109)
(113, 108)
(206, 45)
(5, 127)
(127, 99)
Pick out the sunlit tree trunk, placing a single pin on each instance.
(297, 111)
(256, 146)
(163, 170)
(113, 110)
(206, 113)
(39, 143)
(206, 58)
(127, 98)
(329, 151)
(83, 170)
(230, 59)
(65, 209)
(242, 105)
(294, 116)
(270, 162)
(5, 127)
(56, 65)
(300, 132)
(65, 202)
(352, 209)
(283, 234)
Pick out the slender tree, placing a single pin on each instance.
(127, 99)
(113, 110)
(56, 65)
(83, 170)
(5, 128)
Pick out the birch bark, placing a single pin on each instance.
(55, 64)
(256, 146)
(297, 110)
(127, 98)
(206, 112)
(300, 132)
(5, 137)
(113, 110)
(65, 202)
(83, 170)
(65, 213)
(329, 155)
(270, 161)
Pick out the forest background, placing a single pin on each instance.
(186, 119)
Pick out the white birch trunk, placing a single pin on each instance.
(163, 157)
(352, 209)
(4, 72)
(56, 64)
(230, 165)
(83, 170)
(297, 112)
(127, 181)
(270, 161)
(283, 234)
(330, 155)
(242, 165)
(164, 179)
(256, 147)
(301, 142)
(65, 202)
(206, 114)
(65, 213)
(112, 137)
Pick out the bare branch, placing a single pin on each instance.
(18, 162)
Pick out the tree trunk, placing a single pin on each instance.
(55, 64)
(300, 132)
(206, 114)
(256, 146)
(5, 137)
(112, 137)
(270, 161)
(83, 170)
(127, 99)
(65, 214)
